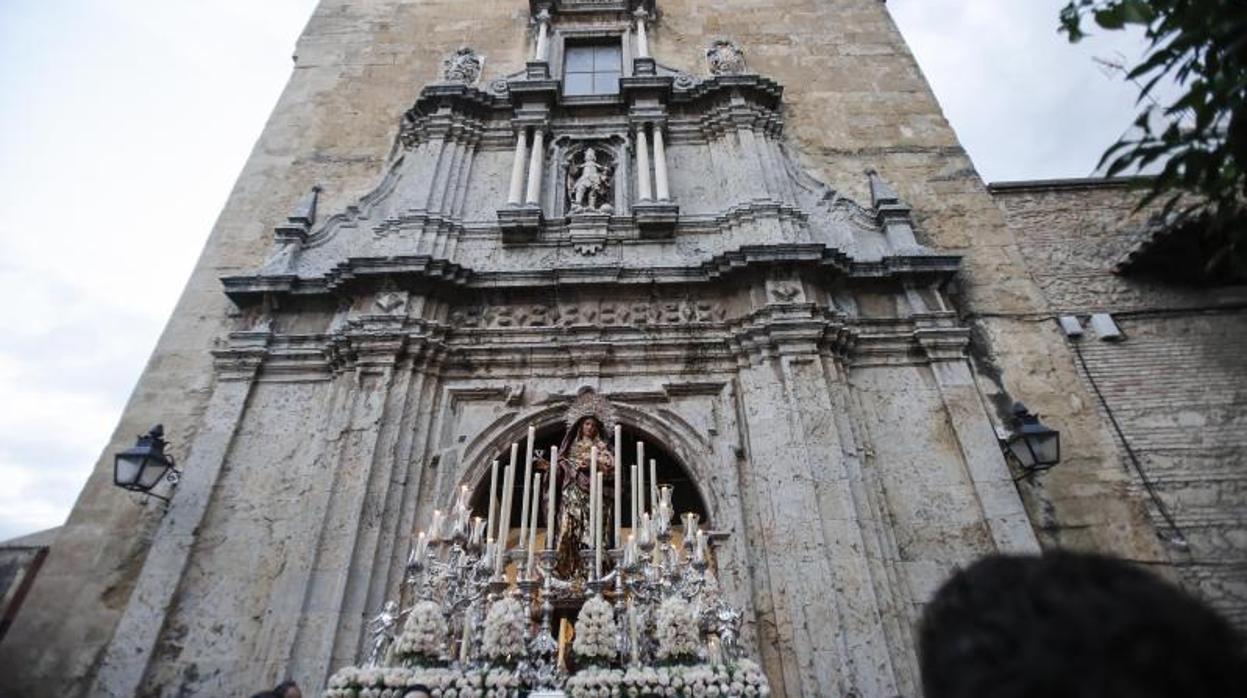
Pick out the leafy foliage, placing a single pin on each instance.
(1200, 140)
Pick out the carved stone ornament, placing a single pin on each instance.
(590, 181)
(725, 57)
(462, 66)
(685, 81)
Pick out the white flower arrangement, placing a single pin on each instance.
(596, 632)
(677, 631)
(695, 681)
(504, 631)
(396, 682)
(424, 635)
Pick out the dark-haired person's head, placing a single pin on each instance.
(1074, 626)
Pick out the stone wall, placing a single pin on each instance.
(1176, 384)
(854, 99)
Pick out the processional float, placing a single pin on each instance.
(652, 618)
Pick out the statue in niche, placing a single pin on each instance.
(463, 66)
(725, 57)
(588, 420)
(589, 183)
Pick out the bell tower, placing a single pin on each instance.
(745, 227)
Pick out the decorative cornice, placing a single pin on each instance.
(451, 275)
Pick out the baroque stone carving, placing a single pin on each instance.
(725, 57)
(685, 81)
(678, 312)
(462, 66)
(590, 180)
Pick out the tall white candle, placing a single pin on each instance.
(653, 484)
(593, 494)
(636, 503)
(640, 464)
(493, 499)
(618, 490)
(504, 515)
(467, 633)
(435, 528)
(597, 533)
(554, 476)
(528, 477)
(532, 525)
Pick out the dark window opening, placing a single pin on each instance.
(592, 69)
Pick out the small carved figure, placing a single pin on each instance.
(381, 627)
(727, 625)
(725, 57)
(463, 66)
(589, 184)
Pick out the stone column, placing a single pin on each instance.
(542, 52)
(644, 191)
(660, 164)
(535, 162)
(517, 168)
(128, 655)
(642, 37)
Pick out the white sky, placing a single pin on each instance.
(123, 124)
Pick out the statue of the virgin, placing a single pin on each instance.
(588, 420)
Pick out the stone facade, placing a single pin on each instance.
(400, 284)
(1176, 383)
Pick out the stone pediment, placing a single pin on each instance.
(720, 186)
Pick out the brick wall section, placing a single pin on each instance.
(1177, 384)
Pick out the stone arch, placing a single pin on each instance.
(682, 457)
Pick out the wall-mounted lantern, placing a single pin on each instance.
(1033, 444)
(142, 466)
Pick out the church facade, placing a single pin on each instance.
(746, 227)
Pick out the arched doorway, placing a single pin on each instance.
(685, 496)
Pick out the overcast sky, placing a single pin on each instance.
(123, 124)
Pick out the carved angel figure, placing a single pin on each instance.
(463, 66)
(589, 184)
(725, 57)
(381, 627)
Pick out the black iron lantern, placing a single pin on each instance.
(1035, 446)
(142, 466)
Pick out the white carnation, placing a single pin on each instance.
(424, 634)
(596, 631)
(504, 630)
(676, 630)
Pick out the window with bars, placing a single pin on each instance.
(592, 69)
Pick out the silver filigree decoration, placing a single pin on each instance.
(725, 57)
(590, 404)
(463, 66)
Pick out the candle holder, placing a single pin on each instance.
(621, 636)
(597, 586)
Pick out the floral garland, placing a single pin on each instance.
(424, 635)
(596, 633)
(676, 629)
(354, 682)
(744, 678)
(503, 639)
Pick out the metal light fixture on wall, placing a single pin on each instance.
(1033, 444)
(142, 466)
